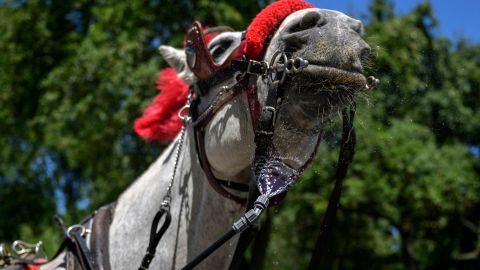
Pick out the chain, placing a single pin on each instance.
(183, 115)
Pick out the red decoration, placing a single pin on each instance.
(266, 23)
(160, 121)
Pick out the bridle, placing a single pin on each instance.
(246, 72)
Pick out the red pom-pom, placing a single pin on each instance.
(160, 121)
(267, 21)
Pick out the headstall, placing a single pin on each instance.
(245, 73)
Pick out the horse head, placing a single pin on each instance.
(332, 44)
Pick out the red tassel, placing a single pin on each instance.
(159, 121)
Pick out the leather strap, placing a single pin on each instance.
(100, 235)
(199, 59)
(200, 122)
(266, 125)
(155, 236)
(79, 248)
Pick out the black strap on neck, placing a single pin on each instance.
(347, 151)
(75, 242)
(156, 235)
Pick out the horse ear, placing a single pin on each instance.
(176, 58)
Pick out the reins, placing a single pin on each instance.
(345, 157)
(246, 72)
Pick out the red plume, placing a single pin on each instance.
(159, 121)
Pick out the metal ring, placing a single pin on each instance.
(289, 66)
(276, 59)
(82, 228)
(183, 113)
(299, 64)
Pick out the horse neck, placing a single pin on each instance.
(199, 215)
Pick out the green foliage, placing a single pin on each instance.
(75, 74)
(411, 197)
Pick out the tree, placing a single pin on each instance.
(74, 76)
(411, 197)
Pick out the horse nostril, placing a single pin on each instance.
(356, 26)
(310, 20)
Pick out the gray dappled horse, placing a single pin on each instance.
(332, 44)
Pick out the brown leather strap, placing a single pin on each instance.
(200, 139)
(199, 59)
(99, 238)
(200, 125)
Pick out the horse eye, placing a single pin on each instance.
(218, 49)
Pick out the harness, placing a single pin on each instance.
(244, 65)
(246, 73)
(85, 245)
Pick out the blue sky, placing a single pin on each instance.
(456, 18)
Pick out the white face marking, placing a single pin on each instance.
(225, 43)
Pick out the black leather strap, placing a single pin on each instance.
(266, 126)
(79, 247)
(347, 151)
(155, 236)
(233, 185)
(248, 66)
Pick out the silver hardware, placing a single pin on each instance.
(167, 199)
(82, 229)
(183, 115)
(21, 247)
(273, 110)
(183, 112)
(252, 216)
(372, 83)
(277, 67)
(299, 64)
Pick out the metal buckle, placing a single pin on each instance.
(252, 62)
(274, 112)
